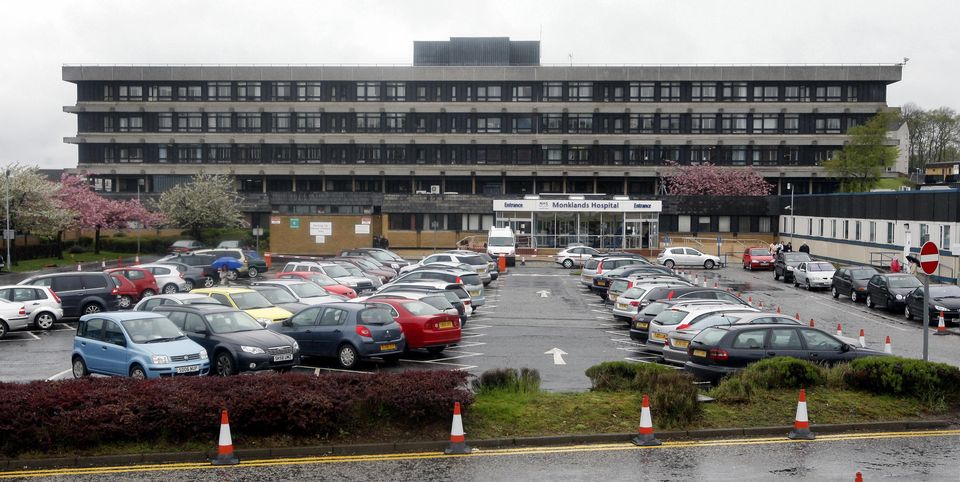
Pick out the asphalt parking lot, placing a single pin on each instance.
(541, 307)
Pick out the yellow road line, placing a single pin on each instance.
(481, 453)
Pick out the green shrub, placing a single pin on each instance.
(770, 374)
(77, 249)
(673, 395)
(931, 383)
(674, 401)
(527, 380)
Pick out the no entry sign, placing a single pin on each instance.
(929, 257)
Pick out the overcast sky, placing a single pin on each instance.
(38, 36)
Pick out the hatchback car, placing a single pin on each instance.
(359, 284)
(280, 297)
(813, 274)
(890, 290)
(457, 289)
(718, 351)
(944, 299)
(137, 344)
(640, 324)
(429, 296)
(347, 332)
(480, 266)
(79, 293)
(470, 281)
(785, 262)
(143, 280)
(598, 266)
(247, 300)
(169, 279)
(575, 256)
(13, 316)
(234, 341)
(42, 304)
(423, 325)
(755, 258)
(384, 256)
(148, 304)
(684, 256)
(852, 282)
(304, 291)
(126, 290)
(358, 272)
(327, 283)
(628, 304)
(683, 316)
(253, 264)
(675, 350)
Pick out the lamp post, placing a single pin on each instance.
(6, 232)
(139, 226)
(793, 209)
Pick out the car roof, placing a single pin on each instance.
(709, 308)
(122, 315)
(202, 308)
(281, 282)
(897, 275)
(222, 291)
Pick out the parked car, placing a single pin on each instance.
(785, 262)
(944, 299)
(79, 293)
(13, 316)
(148, 304)
(640, 324)
(359, 284)
(357, 272)
(253, 264)
(193, 276)
(756, 257)
(675, 349)
(598, 266)
(281, 298)
(347, 332)
(492, 263)
(813, 274)
(575, 256)
(304, 291)
(479, 264)
(470, 281)
(142, 278)
(718, 351)
(327, 283)
(371, 266)
(384, 256)
(210, 275)
(185, 246)
(436, 299)
(247, 300)
(852, 282)
(602, 285)
(137, 344)
(233, 244)
(430, 284)
(687, 293)
(169, 278)
(426, 293)
(42, 304)
(423, 325)
(684, 256)
(234, 341)
(628, 304)
(890, 290)
(126, 290)
(681, 317)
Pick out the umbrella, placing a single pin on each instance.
(227, 262)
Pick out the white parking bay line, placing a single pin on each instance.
(459, 366)
(58, 375)
(32, 336)
(627, 341)
(874, 318)
(318, 370)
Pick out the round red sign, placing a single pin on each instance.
(929, 257)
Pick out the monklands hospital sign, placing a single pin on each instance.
(570, 205)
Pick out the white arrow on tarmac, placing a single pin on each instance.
(557, 355)
(544, 293)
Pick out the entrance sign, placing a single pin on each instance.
(569, 205)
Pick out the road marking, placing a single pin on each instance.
(32, 336)
(58, 375)
(557, 355)
(544, 293)
(318, 370)
(877, 318)
(629, 342)
(458, 366)
(518, 451)
(599, 311)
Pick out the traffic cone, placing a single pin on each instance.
(750, 300)
(941, 325)
(887, 347)
(225, 454)
(801, 426)
(797, 316)
(778, 310)
(79, 268)
(645, 436)
(136, 259)
(863, 340)
(859, 477)
(811, 322)
(839, 330)
(458, 445)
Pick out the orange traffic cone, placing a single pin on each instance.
(797, 316)
(887, 347)
(778, 310)
(839, 330)
(225, 454)
(859, 477)
(645, 436)
(863, 340)
(457, 439)
(136, 259)
(801, 426)
(750, 300)
(811, 322)
(941, 325)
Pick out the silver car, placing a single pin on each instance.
(470, 280)
(42, 304)
(13, 316)
(628, 304)
(151, 302)
(306, 292)
(680, 318)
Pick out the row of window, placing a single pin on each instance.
(481, 123)
(856, 230)
(530, 91)
(556, 154)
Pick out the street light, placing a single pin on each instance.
(793, 220)
(6, 232)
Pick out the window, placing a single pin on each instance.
(488, 125)
(830, 125)
(160, 92)
(669, 124)
(765, 123)
(133, 123)
(218, 122)
(218, 153)
(765, 155)
(820, 229)
(190, 122)
(552, 123)
(189, 92)
(190, 154)
(924, 233)
(641, 124)
(750, 340)
(723, 224)
(851, 93)
(368, 91)
(249, 91)
(683, 224)
(764, 225)
(368, 122)
(703, 123)
(400, 221)
(833, 228)
(578, 154)
(785, 339)
(130, 154)
(701, 154)
(580, 91)
(642, 91)
(820, 341)
(856, 230)
(396, 91)
(846, 229)
(580, 123)
(523, 125)
(488, 93)
(309, 91)
(791, 123)
(669, 91)
(810, 226)
(130, 92)
(735, 91)
(829, 93)
(796, 93)
(368, 153)
(766, 93)
(890, 233)
(552, 154)
(248, 122)
(552, 91)
(703, 92)
(281, 91)
(219, 91)
(945, 237)
(281, 122)
(522, 93)
(873, 232)
(613, 94)
(733, 123)
(396, 122)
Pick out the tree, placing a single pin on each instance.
(207, 201)
(863, 159)
(711, 180)
(934, 134)
(33, 203)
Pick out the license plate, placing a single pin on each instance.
(188, 369)
(601, 283)
(659, 336)
(681, 343)
(700, 353)
(642, 325)
(388, 347)
(621, 306)
(445, 324)
(283, 357)
(474, 293)
(479, 270)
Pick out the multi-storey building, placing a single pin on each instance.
(479, 117)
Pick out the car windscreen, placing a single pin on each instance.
(710, 336)
(654, 309)
(671, 317)
(374, 316)
(364, 263)
(759, 252)
(591, 264)
(152, 330)
(451, 296)
(862, 274)
(278, 295)
(439, 302)
(206, 300)
(307, 290)
(633, 293)
(472, 260)
(419, 308)
(250, 301)
(903, 282)
(320, 279)
(182, 244)
(500, 241)
(380, 255)
(335, 271)
(353, 270)
(795, 257)
(252, 255)
(945, 291)
(819, 267)
(470, 279)
(232, 322)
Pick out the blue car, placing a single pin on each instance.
(137, 344)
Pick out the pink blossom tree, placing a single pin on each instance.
(711, 180)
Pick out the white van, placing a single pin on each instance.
(502, 241)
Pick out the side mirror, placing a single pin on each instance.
(287, 322)
(845, 348)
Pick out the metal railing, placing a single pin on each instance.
(882, 260)
(733, 246)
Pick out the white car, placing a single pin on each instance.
(574, 256)
(680, 318)
(168, 278)
(814, 274)
(151, 302)
(42, 304)
(684, 256)
(477, 263)
(628, 304)
(13, 316)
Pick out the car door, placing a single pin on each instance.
(785, 341)
(329, 330)
(915, 303)
(302, 327)
(883, 291)
(873, 287)
(70, 291)
(114, 349)
(748, 347)
(692, 257)
(32, 299)
(91, 345)
(197, 330)
(822, 347)
(800, 273)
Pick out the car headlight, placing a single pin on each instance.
(160, 359)
(789, 268)
(352, 284)
(899, 297)
(296, 346)
(254, 350)
(395, 265)
(203, 354)
(940, 308)
(263, 321)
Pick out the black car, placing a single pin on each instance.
(943, 299)
(852, 282)
(785, 262)
(80, 293)
(890, 290)
(234, 341)
(718, 351)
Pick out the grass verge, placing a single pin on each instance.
(68, 260)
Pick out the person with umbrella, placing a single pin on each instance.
(227, 266)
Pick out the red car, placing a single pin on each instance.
(144, 280)
(325, 282)
(423, 325)
(757, 258)
(126, 290)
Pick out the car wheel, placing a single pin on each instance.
(906, 313)
(853, 296)
(709, 264)
(776, 276)
(125, 302)
(870, 301)
(669, 263)
(347, 356)
(170, 289)
(224, 364)
(3, 329)
(45, 320)
(137, 373)
(436, 350)
(834, 292)
(253, 272)
(189, 284)
(147, 292)
(209, 282)
(232, 275)
(808, 286)
(568, 263)
(79, 368)
(91, 308)
(796, 284)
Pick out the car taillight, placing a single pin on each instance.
(629, 284)
(635, 303)
(364, 331)
(599, 268)
(670, 295)
(55, 297)
(718, 354)
(683, 326)
(23, 310)
(115, 291)
(181, 275)
(458, 280)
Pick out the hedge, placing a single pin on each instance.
(770, 374)
(929, 382)
(673, 394)
(42, 416)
